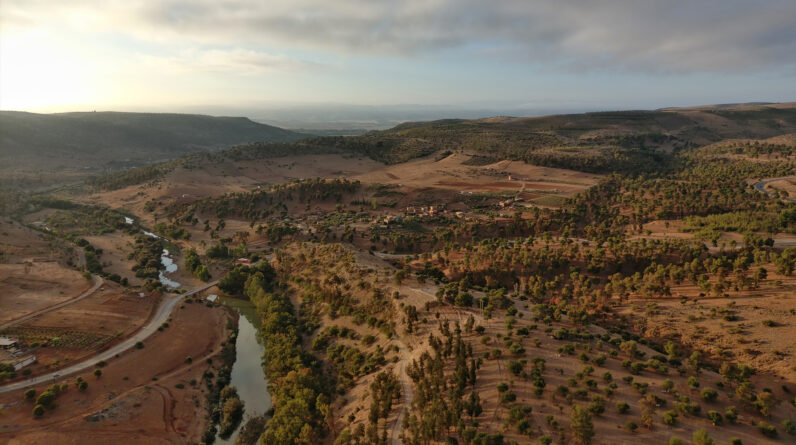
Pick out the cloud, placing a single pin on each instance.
(237, 60)
(634, 35)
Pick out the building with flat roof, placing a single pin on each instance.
(8, 342)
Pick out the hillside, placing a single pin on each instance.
(621, 141)
(593, 142)
(112, 140)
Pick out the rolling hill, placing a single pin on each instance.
(114, 140)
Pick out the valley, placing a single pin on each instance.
(619, 277)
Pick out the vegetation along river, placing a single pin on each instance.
(247, 372)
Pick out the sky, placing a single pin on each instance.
(207, 55)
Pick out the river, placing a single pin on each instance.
(247, 372)
(169, 266)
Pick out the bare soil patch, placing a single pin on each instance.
(32, 286)
(135, 400)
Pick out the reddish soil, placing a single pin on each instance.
(135, 400)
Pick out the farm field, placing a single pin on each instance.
(136, 399)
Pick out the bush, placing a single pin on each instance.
(30, 394)
(46, 398)
(139, 345)
(767, 430)
(789, 427)
(715, 418)
(736, 441)
(38, 410)
(508, 397)
(622, 407)
(709, 395)
(670, 418)
(731, 414)
(631, 426)
(675, 441)
(701, 437)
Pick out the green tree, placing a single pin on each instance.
(581, 425)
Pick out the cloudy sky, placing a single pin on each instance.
(58, 55)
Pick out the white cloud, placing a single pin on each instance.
(634, 35)
(237, 60)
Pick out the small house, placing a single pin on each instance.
(8, 342)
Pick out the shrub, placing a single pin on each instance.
(524, 426)
(731, 414)
(502, 387)
(715, 418)
(709, 395)
(736, 441)
(701, 437)
(516, 349)
(631, 426)
(508, 397)
(30, 394)
(515, 367)
(46, 398)
(789, 426)
(693, 382)
(622, 407)
(767, 430)
(139, 345)
(670, 418)
(675, 441)
(597, 405)
(38, 410)
(97, 373)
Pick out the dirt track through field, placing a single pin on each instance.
(98, 282)
(161, 314)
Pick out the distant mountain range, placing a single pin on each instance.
(109, 140)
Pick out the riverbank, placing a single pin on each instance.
(247, 374)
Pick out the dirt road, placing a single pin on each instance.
(98, 282)
(161, 315)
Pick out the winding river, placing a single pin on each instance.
(169, 266)
(247, 372)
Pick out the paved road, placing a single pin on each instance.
(98, 281)
(761, 187)
(161, 315)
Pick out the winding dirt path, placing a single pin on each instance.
(407, 395)
(98, 282)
